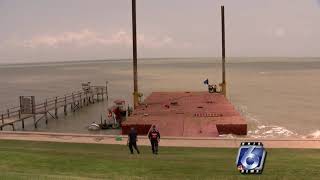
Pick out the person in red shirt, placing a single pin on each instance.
(154, 137)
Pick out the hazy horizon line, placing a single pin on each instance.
(152, 58)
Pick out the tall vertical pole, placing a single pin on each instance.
(107, 94)
(134, 49)
(223, 84)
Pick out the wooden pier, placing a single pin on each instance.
(29, 110)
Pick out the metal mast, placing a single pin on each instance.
(223, 84)
(134, 51)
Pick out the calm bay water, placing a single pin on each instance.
(280, 97)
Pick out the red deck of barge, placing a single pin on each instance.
(192, 114)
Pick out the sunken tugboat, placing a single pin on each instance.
(115, 116)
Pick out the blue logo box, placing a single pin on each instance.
(251, 158)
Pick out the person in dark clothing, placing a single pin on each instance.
(154, 137)
(132, 140)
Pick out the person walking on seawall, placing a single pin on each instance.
(132, 140)
(154, 137)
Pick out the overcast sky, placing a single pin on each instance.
(62, 30)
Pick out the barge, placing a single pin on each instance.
(189, 114)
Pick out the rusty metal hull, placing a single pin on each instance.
(191, 114)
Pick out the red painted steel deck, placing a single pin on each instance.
(193, 114)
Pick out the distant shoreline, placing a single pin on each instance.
(216, 59)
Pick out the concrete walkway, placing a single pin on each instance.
(165, 141)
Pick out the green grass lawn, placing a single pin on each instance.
(44, 160)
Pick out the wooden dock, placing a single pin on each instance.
(29, 110)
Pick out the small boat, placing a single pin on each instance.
(94, 127)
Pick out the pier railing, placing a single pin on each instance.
(75, 100)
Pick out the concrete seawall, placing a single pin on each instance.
(165, 141)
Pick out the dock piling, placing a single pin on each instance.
(102, 95)
(56, 108)
(72, 104)
(45, 111)
(92, 98)
(80, 100)
(35, 121)
(97, 96)
(65, 105)
(86, 99)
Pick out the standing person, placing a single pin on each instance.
(132, 140)
(154, 137)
